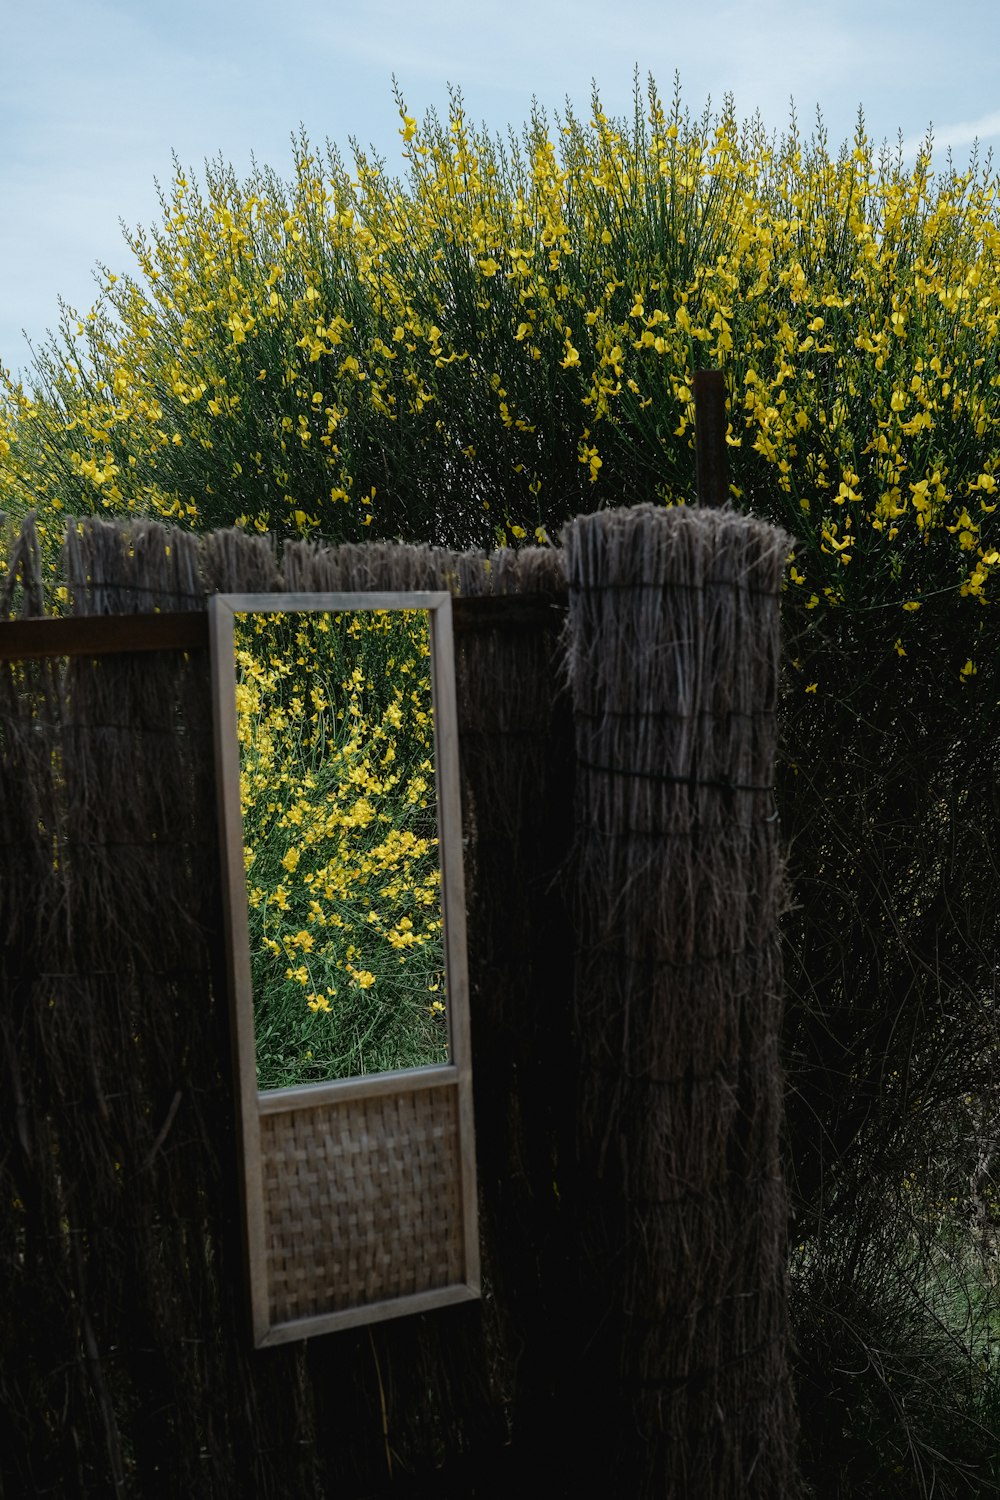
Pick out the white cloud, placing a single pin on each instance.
(962, 133)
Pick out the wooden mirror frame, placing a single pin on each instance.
(358, 1194)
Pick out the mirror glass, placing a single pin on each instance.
(335, 721)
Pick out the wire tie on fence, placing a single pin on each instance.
(718, 1075)
(695, 827)
(669, 587)
(120, 586)
(701, 1372)
(623, 958)
(718, 715)
(723, 783)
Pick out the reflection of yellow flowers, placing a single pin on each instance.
(337, 735)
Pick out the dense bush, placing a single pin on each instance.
(506, 337)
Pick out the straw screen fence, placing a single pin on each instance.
(624, 881)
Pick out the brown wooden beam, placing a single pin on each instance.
(96, 635)
(507, 612)
(100, 635)
(710, 427)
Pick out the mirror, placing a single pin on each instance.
(340, 828)
(335, 721)
(341, 839)
(336, 738)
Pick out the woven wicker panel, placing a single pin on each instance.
(362, 1201)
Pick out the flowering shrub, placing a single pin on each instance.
(507, 337)
(337, 790)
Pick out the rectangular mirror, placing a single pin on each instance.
(337, 762)
(335, 723)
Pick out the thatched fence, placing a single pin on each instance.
(624, 883)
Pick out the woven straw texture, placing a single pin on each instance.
(362, 1201)
(631, 1218)
(673, 648)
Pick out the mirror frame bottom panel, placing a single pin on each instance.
(362, 1205)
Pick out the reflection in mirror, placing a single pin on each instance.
(337, 791)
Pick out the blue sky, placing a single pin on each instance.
(95, 94)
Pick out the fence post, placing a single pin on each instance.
(711, 458)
